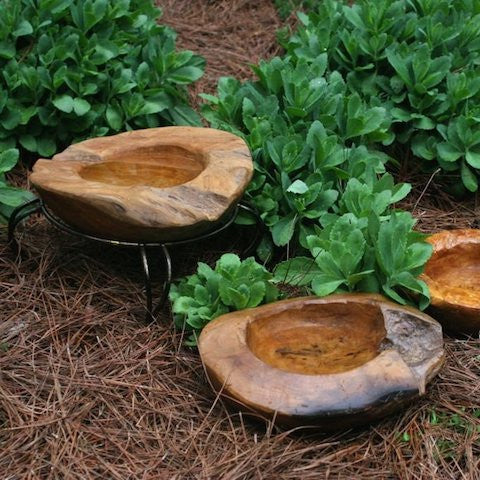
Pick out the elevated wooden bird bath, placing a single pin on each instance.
(334, 362)
(453, 277)
(153, 185)
(147, 188)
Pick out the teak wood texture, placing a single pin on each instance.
(334, 362)
(150, 185)
(453, 277)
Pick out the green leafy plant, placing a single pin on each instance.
(364, 247)
(317, 135)
(10, 197)
(424, 70)
(73, 69)
(232, 285)
(303, 129)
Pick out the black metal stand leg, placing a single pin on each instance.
(168, 281)
(148, 283)
(151, 311)
(259, 232)
(19, 214)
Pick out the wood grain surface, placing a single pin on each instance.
(156, 184)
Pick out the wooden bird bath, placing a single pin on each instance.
(453, 277)
(154, 185)
(334, 362)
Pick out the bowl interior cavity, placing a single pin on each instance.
(318, 339)
(457, 267)
(159, 167)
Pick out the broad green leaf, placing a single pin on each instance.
(400, 192)
(400, 66)
(114, 117)
(201, 294)
(184, 305)
(81, 107)
(448, 153)
(7, 50)
(11, 196)
(228, 263)
(468, 178)
(46, 146)
(28, 142)
(473, 158)
(257, 293)
(10, 119)
(233, 297)
(417, 255)
(283, 230)
(8, 159)
(64, 103)
(323, 285)
(390, 292)
(23, 28)
(298, 187)
(185, 75)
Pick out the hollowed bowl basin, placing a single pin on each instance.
(334, 362)
(149, 185)
(453, 277)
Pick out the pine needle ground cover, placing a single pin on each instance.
(88, 391)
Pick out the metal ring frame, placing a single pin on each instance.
(37, 205)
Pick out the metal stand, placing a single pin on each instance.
(35, 206)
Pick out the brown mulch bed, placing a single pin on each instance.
(230, 34)
(88, 390)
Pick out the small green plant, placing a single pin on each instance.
(424, 70)
(10, 197)
(73, 69)
(364, 247)
(457, 421)
(232, 285)
(452, 426)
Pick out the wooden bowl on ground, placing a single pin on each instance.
(151, 185)
(453, 277)
(334, 362)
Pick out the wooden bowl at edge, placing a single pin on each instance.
(453, 277)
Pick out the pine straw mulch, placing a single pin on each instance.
(88, 390)
(230, 34)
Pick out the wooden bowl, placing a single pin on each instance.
(453, 277)
(149, 185)
(334, 362)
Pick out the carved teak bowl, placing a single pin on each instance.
(152, 185)
(453, 277)
(334, 362)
